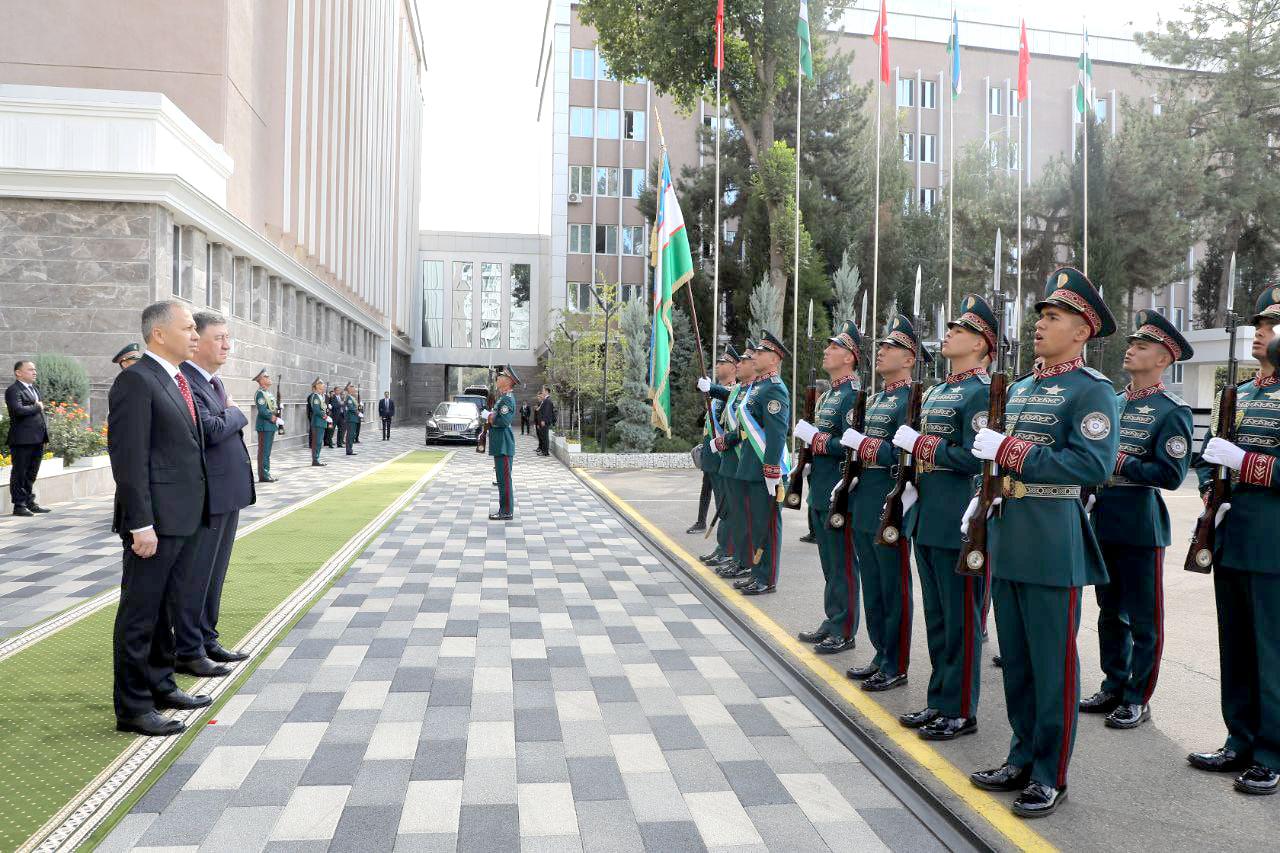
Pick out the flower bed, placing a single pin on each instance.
(70, 435)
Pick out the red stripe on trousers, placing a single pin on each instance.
(1155, 662)
(774, 512)
(1068, 693)
(850, 581)
(751, 547)
(966, 679)
(904, 621)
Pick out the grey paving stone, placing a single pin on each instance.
(696, 771)
(608, 826)
(412, 679)
(381, 783)
(445, 723)
(166, 788)
(433, 843)
(334, 764)
(269, 783)
(365, 827)
(675, 732)
(489, 828)
(785, 827)
(900, 830)
(755, 783)
(450, 691)
(242, 828)
(187, 819)
(672, 836)
(541, 762)
(315, 707)
(755, 720)
(613, 689)
(596, 777)
(439, 759)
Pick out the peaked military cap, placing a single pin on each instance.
(261, 373)
(902, 334)
(770, 343)
(976, 316)
(1067, 287)
(317, 381)
(510, 372)
(130, 352)
(1268, 307)
(849, 338)
(1152, 326)
(748, 350)
(729, 356)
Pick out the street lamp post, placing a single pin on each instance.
(609, 310)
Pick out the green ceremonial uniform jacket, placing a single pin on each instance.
(730, 419)
(317, 410)
(950, 416)
(712, 426)
(266, 406)
(1243, 542)
(833, 417)
(502, 441)
(886, 411)
(1155, 445)
(1062, 428)
(768, 404)
(353, 411)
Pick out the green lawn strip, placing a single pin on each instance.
(56, 722)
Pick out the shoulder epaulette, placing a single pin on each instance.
(1244, 383)
(1096, 374)
(1175, 399)
(776, 380)
(984, 378)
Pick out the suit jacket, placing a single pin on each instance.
(225, 455)
(157, 454)
(26, 420)
(338, 409)
(386, 408)
(547, 413)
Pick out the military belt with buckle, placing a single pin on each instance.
(1017, 490)
(1121, 480)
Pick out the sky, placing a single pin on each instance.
(483, 162)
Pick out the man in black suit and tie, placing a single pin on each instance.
(386, 411)
(231, 489)
(545, 420)
(27, 437)
(162, 502)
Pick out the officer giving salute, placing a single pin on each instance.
(1062, 436)
(1132, 524)
(502, 441)
(267, 423)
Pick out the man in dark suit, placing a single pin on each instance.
(231, 489)
(338, 411)
(329, 427)
(157, 459)
(27, 437)
(386, 411)
(352, 409)
(545, 420)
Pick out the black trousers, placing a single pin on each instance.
(328, 436)
(142, 643)
(22, 479)
(340, 435)
(350, 437)
(386, 429)
(704, 498)
(544, 439)
(198, 590)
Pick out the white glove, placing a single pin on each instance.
(972, 508)
(704, 384)
(852, 439)
(280, 421)
(1222, 511)
(986, 444)
(805, 431)
(1219, 451)
(772, 483)
(712, 445)
(906, 438)
(484, 414)
(1088, 505)
(909, 497)
(835, 489)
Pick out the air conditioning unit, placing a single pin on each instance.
(575, 198)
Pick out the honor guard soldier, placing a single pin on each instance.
(835, 547)
(885, 571)
(1132, 523)
(950, 417)
(722, 393)
(1246, 573)
(1062, 436)
(267, 424)
(318, 418)
(728, 447)
(502, 441)
(128, 356)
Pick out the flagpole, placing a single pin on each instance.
(951, 166)
(1087, 101)
(795, 283)
(875, 243)
(715, 276)
(1017, 301)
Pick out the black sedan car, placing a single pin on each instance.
(454, 421)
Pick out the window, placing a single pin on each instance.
(1100, 110)
(433, 303)
(607, 124)
(928, 94)
(602, 70)
(994, 151)
(628, 292)
(210, 292)
(928, 148)
(1180, 319)
(994, 98)
(928, 198)
(462, 273)
(580, 239)
(579, 296)
(518, 322)
(908, 143)
(906, 92)
(633, 239)
(1175, 373)
(580, 121)
(1161, 310)
(730, 234)
(490, 305)
(606, 239)
(1015, 161)
(584, 61)
(580, 180)
(1156, 109)
(633, 125)
(607, 181)
(632, 182)
(1013, 102)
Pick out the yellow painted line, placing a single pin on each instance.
(988, 807)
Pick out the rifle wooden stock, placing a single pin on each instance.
(838, 517)
(974, 558)
(795, 486)
(890, 529)
(1200, 554)
(482, 440)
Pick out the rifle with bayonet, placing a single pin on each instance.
(280, 402)
(482, 440)
(890, 529)
(794, 497)
(974, 557)
(851, 468)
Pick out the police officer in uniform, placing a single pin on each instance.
(319, 418)
(950, 416)
(1063, 430)
(1246, 573)
(885, 570)
(1132, 523)
(835, 547)
(721, 392)
(502, 441)
(128, 356)
(267, 423)
(728, 448)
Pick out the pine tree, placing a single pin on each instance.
(634, 430)
(846, 282)
(765, 306)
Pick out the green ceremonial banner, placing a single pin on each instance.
(1084, 78)
(673, 266)
(806, 49)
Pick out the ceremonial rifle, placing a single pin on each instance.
(890, 530)
(974, 557)
(482, 440)
(279, 401)
(1200, 554)
(851, 468)
(804, 452)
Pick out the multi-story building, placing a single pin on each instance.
(259, 159)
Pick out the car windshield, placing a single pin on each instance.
(457, 410)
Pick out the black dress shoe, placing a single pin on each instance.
(834, 645)
(712, 558)
(202, 667)
(697, 527)
(1038, 800)
(757, 588)
(500, 516)
(997, 661)
(916, 719)
(268, 479)
(23, 511)
(1219, 761)
(1006, 777)
(949, 728)
(817, 635)
(744, 581)
(217, 653)
(1101, 702)
(180, 700)
(880, 682)
(352, 453)
(1258, 780)
(318, 464)
(35, 507)
(727, 569)
(150, 724)
(1128, 716)
(740, 572)
(809, 537)
(858, 673)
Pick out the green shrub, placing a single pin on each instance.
(61, 378)
(70, 435)
(4, 432)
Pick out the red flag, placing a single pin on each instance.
(1024, 65)
(881, 37)
(719, 58)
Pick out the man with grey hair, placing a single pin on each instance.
(156, 446)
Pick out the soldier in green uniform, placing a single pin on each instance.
(727, 448)
(1062, 433)
(950, 417)
(267, 423)
(835, 547)
(502, 441)
(721, 393)
(128, 356)
(885, 570)
(1246, 574)
(352, 410)
(318, 417)
(1132, 523)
